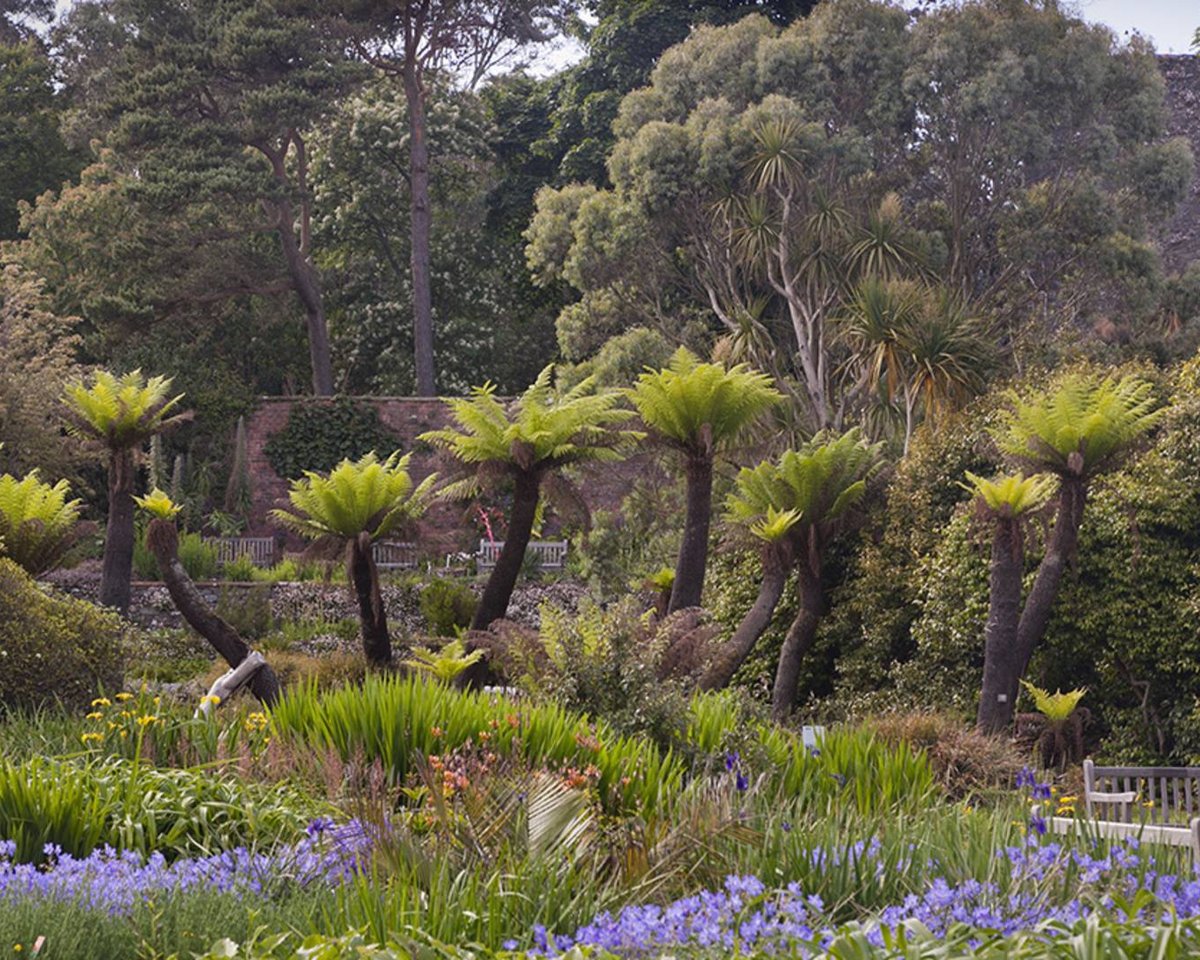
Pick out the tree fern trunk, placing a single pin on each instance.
(798, 642)
(117, 569)
(372, 614)
(163, 541)
(693, 551)
(733, 653)
(1002, 666)
(493, 605)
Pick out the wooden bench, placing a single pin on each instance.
(1153, 804)
(394, 555)
(260, 550)
(551, 554)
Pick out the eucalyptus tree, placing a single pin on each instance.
(699, 410)
(118, 416)
(1073, 430)
(797, 506)
(356, 504)
(525, 444)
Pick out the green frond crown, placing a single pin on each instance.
(1012, 496)
(543, 429)
(1056, 707)
(813, 486)
(367, 495)
(38, 524)
(444, 664)
(699, 406)
(158, 505)
(1079, 426)
(121, 413)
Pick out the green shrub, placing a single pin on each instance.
(199, 559)
(247, 610)
(240, 569)
(53, 647)
(320, 434)
(447, 606)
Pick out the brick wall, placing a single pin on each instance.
(447, 527)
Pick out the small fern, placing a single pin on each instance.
(38, 524)
(1012, 496)
(1056, 707)
(444, 664)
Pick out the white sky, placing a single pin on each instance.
(1171, 24)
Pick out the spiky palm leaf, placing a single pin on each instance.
(122, 413)
(38, 524)
(698, 406)
(1081, 425)
(872, 324)
(542, 431)
(369, 496)
(1012, 496)
(881, 249)
(946, 353)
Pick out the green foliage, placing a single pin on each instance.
(158, 504)
(53, 647)
(320, 434)
(445, 663)
(544, 431)
(122, 413)
(81, 805)
(198, 558)
(38, 524)
(1056, 707)
(1014, 495)
(358, 496)
(1083, 416)
(701, 406)
(247, 610)
(447, 606)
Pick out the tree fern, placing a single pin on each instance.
(38, 524)
(1012, 496)
(120, 413)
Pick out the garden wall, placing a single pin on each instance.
(447, 528)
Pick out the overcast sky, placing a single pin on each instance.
(1171, 24)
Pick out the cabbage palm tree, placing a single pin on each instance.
(699, 409)
(1007, 502)
(118, 415)
(356, 504)
(38, 524)
(525, 444)
(796, 507)
(1075, 430)
(162, 540)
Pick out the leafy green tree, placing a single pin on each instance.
(525, 445)
(699, 410)
(117, 416)
(38, 524)
(413, 40)
(212, 106)
(357, 504)
(797, 507)
(1008, 502)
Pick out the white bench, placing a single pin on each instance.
(260, 550)
(394, 555)
(1153, 804)
(551, 554)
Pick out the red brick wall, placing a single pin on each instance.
(447, 527)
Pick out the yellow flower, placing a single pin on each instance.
(95, 715)
(89, 737)
(156, 701)
(124, 696)
(17, 948)
(145, 720)
(210, 698)
(102, 702)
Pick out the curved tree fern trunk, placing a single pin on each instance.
(1002, 667)
(693, 550)
(372, 614)
(163, 541)
(117, 569)
(798, 641)
(494, 603)
(1064, 540)
(733, 653)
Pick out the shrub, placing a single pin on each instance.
(320, 434)
(247, 610)
(53, 647)
(199, 559)
(447, 606)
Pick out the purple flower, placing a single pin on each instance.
(1042, 791)
(732, 761)
(741, 782)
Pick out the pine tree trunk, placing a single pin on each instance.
(733, 653)
(494, 603)
(117, 569)
(1002, 668)
(163, 541)
(304, 279)
(693, 550)
(1064, 540)
(422, 225)
(799, 640)
(372, 614)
